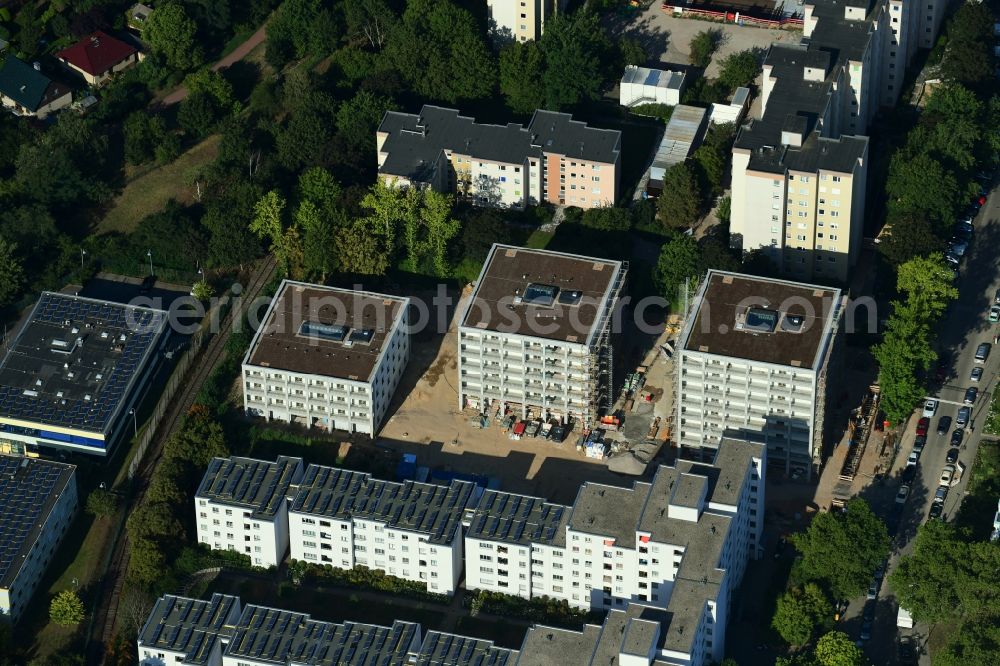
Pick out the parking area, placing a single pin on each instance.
(666, 38)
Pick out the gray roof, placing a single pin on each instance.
(520, 519)
(278, 636)
(688, 490)
(686, 610)
(29, 488)
(248, 483)
(188, 626)
(429, 508)
(683, 132)
(729, 471)
(609, 511)
(440, 649)
(75, 362)
(415, 142)
(551, 646)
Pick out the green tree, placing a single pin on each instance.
(632, 52)
(384, 204)
(102, 503)
(703, 46)
(800, 612)
(973, 644)
(198, 114)
(62, 168)
(214, 85)
(924, 581)
(738, 70)
(146, 563)
(359, 117)
(441, 228)
(927, 283)
(522, 65)
(321, 188)
(11, 273)
(678, 262)
(202, 290)
(317, 240)
(143, 133)
(578, 59)
(170, 32)
(908, 236)
(904, 349)
(608, 218)
(837, 649)
(66, 609)
(951, 126)
(679, 205)
(842, 549)
(268, 224)
(920, 186)
(362, 252)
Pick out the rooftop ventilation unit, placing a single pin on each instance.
(540, 294)
(759, 320)
(793, 323)
(329, 332)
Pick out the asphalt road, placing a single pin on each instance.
(963, 328)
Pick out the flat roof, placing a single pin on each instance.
(74, 362)
(574, 293)
(248, 483)
(656, 78)
(29, 488)
(609, 511)
(688, 490)
(553, 646)
(188, 626)
(441, 649)
(431, 509)
(316, 330)
(520, 519)
(719, 325)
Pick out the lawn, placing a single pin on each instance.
(539, 239)
(150, 192)
(980, 501)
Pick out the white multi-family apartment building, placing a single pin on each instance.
(754, 358)
(800, 170)
(242, 505)
(219, 633)
(679, 543)
(409, 530)
(327, 358)
(536, 336)
(189, 631)
(555, 159)
(38, 500)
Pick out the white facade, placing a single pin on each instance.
(20, 577)
(641, 85)
(521, 20)
(187, 630)
(325, 397)
(241, 506)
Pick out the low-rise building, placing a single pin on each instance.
(38, 500)
(242, 505)
(327, 358)
(73, 376)
(642, 85)
(98, 56)
(409, 530)
(753, 358)
(537, 334)
(26, 91)
(555, 159)
(218, 633)
(188, 631)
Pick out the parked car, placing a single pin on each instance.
(873, 590)
(866, 630)
(947, 474)
(963, 416)
(911, 461)
(977, 374)
(936, 509)
(956, 437)
(869, 613)
(952, 455)
(971, 394)
(958, 247)
(930, 407)
(940, 494)
(902, 494)
(909, 472)
(919, 442)
(922, 425)
(995, 313)
(944, 423)
(982, 352)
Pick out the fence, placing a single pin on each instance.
(176, 377)
(738, 17)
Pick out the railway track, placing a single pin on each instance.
(208, 358)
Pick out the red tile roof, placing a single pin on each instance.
(97, 53)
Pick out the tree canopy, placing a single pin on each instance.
(679, 205)
(800, 612)
(66, 609)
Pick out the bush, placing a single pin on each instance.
(660, 111)
(702, 46)
(102, 503)
(363, 577)
(543, 610)
(66, 609)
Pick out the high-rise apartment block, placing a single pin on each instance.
(327, 358)
(37, 503)
(800, 170)
(521, 20)
(537, 334)
(408, 530)
(753, 359)
(555, 159)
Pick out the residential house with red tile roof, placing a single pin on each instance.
(98, 56)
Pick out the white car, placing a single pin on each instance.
(930, 407)
(947, 474)
(904, 491)
(914, 457)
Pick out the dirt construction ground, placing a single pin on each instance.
(429, 424)
(666, 37)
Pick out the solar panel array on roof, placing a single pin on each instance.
(248, 483)
(440, 649)
(428, 508)
(514, 518)
(188, 626)
(65, 339)
(28, 491)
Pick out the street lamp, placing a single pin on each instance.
(135, 423)
(83, 253)
(149, 253)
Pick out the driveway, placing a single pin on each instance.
(667, 37)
